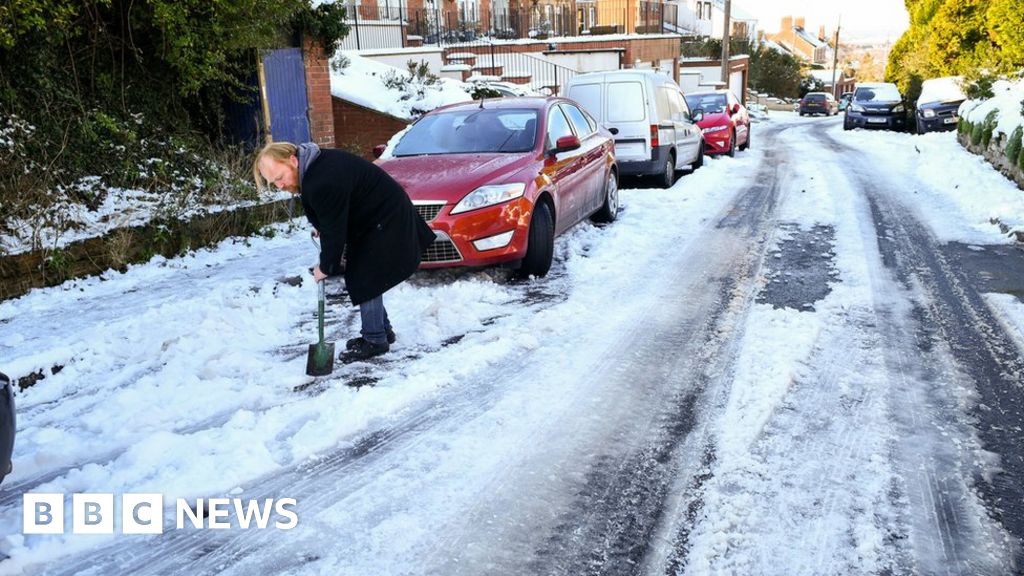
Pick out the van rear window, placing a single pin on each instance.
(626, 102)
(589, 97)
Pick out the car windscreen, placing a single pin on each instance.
(709, 103)
(881, 93)
(471, 131)
(815, 97)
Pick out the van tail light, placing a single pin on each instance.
(654, 136)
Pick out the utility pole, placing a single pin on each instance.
(835, 58)
(725, 43)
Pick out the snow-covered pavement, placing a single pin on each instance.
(775, 367)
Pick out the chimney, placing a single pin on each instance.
(821, 33)
(799, 22)
(787, 24)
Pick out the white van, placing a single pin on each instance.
(646, 112)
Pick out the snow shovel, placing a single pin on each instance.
(320, 360)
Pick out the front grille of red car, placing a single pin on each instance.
(429, 211)
(442, 250)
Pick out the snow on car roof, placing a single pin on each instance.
(946, 89)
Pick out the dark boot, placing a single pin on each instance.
(363, 349)
(352, 341)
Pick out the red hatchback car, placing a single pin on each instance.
(726, 123)
(498, 179)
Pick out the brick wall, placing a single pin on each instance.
(318, 91)
(358, 129)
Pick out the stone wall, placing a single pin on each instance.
(995, 153)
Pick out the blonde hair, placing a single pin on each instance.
(280, 151)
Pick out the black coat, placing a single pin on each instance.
(354, 203)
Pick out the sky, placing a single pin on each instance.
(861, 19)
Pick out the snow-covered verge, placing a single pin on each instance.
(136, 174)
(390, 90)
(177, 377)
(961, 194)
(1007, 103)
(119, 208)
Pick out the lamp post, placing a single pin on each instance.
(725, 43)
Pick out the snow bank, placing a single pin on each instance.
(364, 82)
(958, 204)
(1007, 102)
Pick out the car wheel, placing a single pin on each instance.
(668, 176)
(746, 145)
(732, 145)
(700, 157)
(846, 125)
(610, 209)
(540, 247)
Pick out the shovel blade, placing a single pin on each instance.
(320, 359)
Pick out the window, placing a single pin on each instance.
(471, 131)
(626, 102)
(578, 120)
(676, 105)
(704, 10)
(588, 96)
(558, 127)
(712, 103)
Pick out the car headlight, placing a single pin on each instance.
(489, 196)
(856, 107)
(899, 108)
(714, 129)
(929, 113)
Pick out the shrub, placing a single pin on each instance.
(990, 127)
(480, 90)
(1014, 146)
(980, 88)
(977, 130)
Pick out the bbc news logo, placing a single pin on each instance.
(144, 513)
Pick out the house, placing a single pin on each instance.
(794, 37)
(844, 80)
(706, 18)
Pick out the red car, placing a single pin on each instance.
(498, 179)
(726, 123)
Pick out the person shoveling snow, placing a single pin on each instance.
(352, 203)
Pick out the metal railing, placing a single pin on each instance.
(491, 60)
(391, 26)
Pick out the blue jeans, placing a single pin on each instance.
(375, 320)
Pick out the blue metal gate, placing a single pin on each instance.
(285, 81)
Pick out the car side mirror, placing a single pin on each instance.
(565, 144)
(378, 150)
(735, 108)
(697, 115)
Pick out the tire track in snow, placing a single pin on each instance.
(945, 349)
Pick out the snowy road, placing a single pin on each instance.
(786, 365)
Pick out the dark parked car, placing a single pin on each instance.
(876, 105)
(726, 123)
(7, 425)
(938, 104)
(818, 103)
(498, 179)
